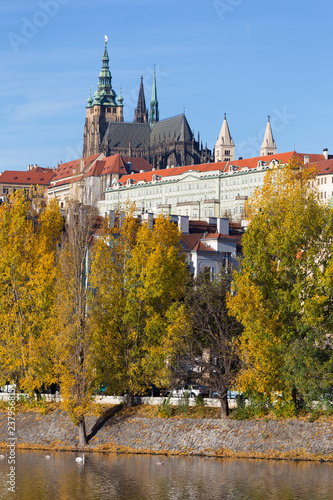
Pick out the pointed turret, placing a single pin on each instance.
(89, 100)
(224, 147)
(120, 98)
(105, 90)
(268, 146)
(141, 114)
(153, 112)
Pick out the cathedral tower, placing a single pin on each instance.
(268, 146)
(101, 110)
(224, 147)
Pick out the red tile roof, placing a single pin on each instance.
(36, 176)
(324, 167)
(69, 172)
(73, 167)
(218, 236)
(201, 247)
(138, 163)
(114, 165)
(190, 240)
(221, 166)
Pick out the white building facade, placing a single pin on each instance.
(197, 191)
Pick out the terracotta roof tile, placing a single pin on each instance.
(218, 236)
(201, 247)
(114, 165)
(138, 163)
(35, 176)
(221, 166)
(190, 240)
(68, 169)
(324, 167)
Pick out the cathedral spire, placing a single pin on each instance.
(141, 115)
(268, 146)
(153, 112)
(106, 93)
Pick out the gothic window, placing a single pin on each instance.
(227, 152)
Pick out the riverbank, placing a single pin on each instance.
(135, 431)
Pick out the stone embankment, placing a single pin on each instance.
(291, 439)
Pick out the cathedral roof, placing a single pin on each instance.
(174, 129)
(122, 134)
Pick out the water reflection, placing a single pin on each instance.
(139, 477)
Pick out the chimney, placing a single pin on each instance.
(142, 171)
(111, 217)
(325, 153)
(153, 169)
(183, 224)
(223, 225)
(149, 219)
(306, 159)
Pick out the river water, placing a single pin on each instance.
(144, 477)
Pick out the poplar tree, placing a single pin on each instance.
(73, 335)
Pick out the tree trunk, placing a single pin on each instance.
(293, 395)
(129, 399)
(82, 433)
(224, 406)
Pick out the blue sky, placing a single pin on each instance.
(248, 58)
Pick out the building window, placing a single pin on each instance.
(114, 110)
(227, 152)
(5, 190)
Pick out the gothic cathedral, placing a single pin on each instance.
(168, 142)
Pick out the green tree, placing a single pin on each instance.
(281, 291)
(213, 343)
(29, 233)
(138, 276)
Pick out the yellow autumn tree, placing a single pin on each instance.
(139, 280)
(72, 327)
(29, 232)
(279, 290)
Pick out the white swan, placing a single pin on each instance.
(48, 456)
(3, 456)
(80, 459)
